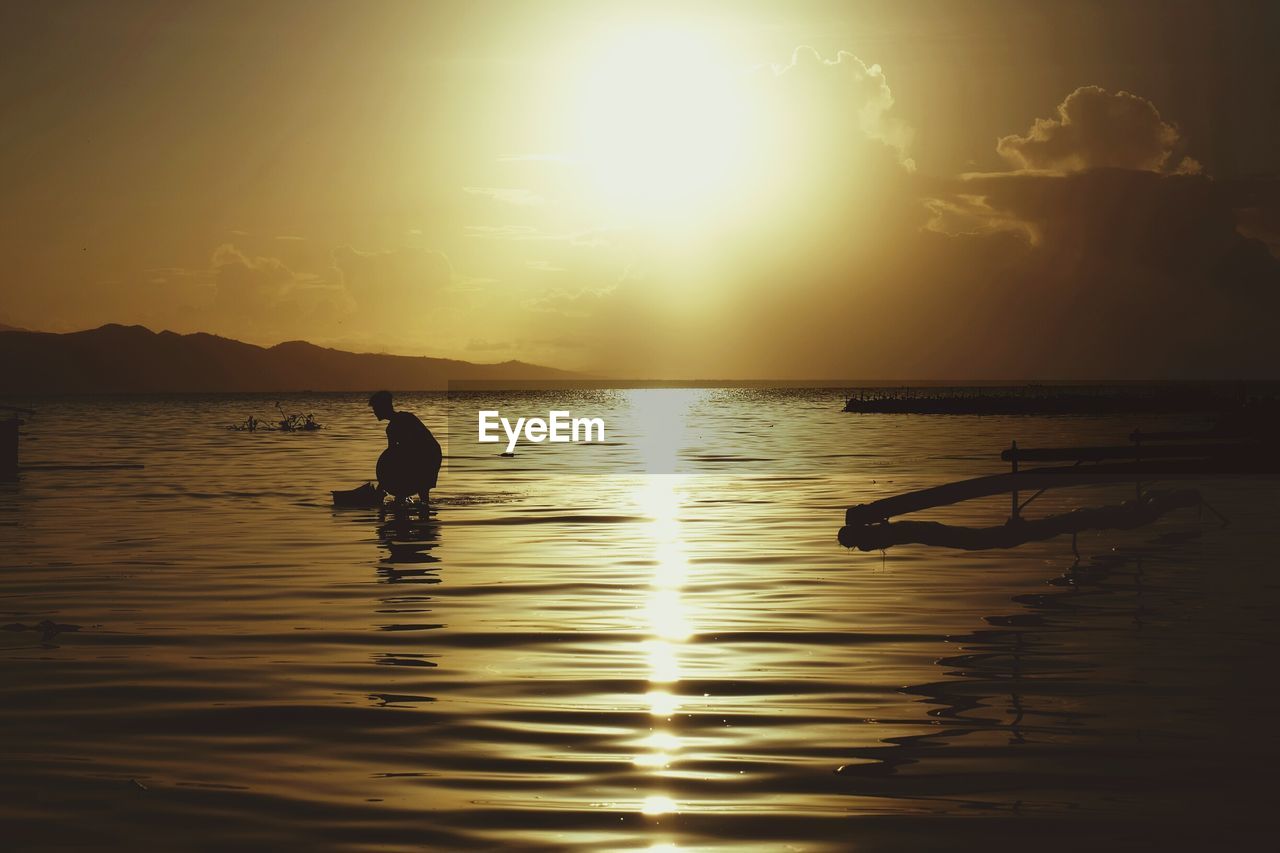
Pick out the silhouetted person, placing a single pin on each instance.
(411, 462)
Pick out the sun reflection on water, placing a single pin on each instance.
(658, 805)
(667, 626)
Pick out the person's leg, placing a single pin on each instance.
(425, 497)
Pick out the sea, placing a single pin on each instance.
(650, 642)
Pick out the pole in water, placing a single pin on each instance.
(1013, 493)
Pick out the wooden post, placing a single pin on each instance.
(1137, 459)
(1013, 454)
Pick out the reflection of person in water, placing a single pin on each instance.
(411, 462)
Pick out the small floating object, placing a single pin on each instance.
(46, 628)
(367, 495)
(297, 423)
(509, 454)
(249, 424)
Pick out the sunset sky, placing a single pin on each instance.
(737, 189)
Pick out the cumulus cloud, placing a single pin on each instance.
(247, 283)
(1093, 196)
(1093, 256)
(1101, 259)
(853, 97)
(1094, 128)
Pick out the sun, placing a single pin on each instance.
(661, 124)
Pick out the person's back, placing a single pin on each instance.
(405, 430)
(416, 453)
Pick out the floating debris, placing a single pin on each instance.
(46, 628)
(286, 422)
(368, 495)
(249, 424)
(297, 423)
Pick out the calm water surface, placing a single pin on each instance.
(654, 643)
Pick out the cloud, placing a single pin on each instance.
(584, 303)
(1099, 253)
(262, 297)
(1096, 129)
(848, 94)
(242, 280)
(1067, 266)
(1166, 220)
(505, 232)
(508, 195)
(396, 293)
(970, 213)
(236, 293)
(1101, 260)
(1098, 200)
(483, 345)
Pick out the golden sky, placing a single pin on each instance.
(954, 189)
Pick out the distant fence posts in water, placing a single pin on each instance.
(1158, 398)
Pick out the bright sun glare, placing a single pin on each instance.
(660, 123)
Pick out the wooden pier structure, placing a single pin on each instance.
(1064, 399)
(1147, 458)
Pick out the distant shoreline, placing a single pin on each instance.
(116, 359)
(841, 389)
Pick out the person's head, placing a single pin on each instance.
(380, 402)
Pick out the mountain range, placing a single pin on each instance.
(116, 359)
